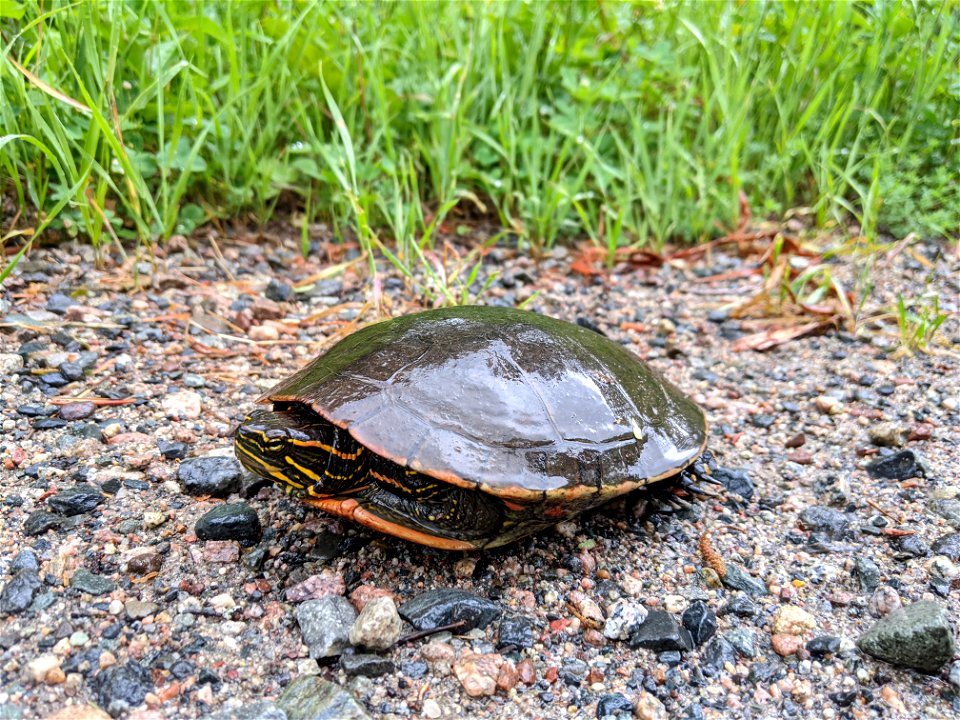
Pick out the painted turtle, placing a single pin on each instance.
(470, 427)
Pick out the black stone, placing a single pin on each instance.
(39, 521)
(948, 545)
(762, 421)
(910, 546)
(48, 424)
(737, 482)
(182, 669)
(121, 688)
(824, 519)
(214, 476)
(87, 582)
(899, 466)
(661, 631)
(230, 521)
(72, 371)
(35, 411)
(172, 450)
(824, 645)
(365, 664)
(445, 606)
(762, 672)
(740, 605)
(700, 621)
(76, 500)
(843, 698)
(573, 671)
(613, 705)
(716, 654)
(744, 641)
(59, 303)
(53, 379)
(18, 593)
(278, 291)
(671, 658)
(516, 632)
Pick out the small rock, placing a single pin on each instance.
(121, 688)
(527, 671)
(39, 521)
(365, 665)
(214, 476)
(261, 333)
(648, 707)
(829, 405)
(77, 411)
(796, 441)
(824, 645)
(918, 635)
(76, 500)
(40, 667)
(900, 466)
(183, 405)
(10, 363)
(624, 618)
(588, 609)
(378, 626)
(613, 705)
(744, 641)
(440, 656)
(19, 591)
(315, 587)
(792, 620)
(311, 698)
(26, 559)
(262, 710)
(478, 673)
(431, 709)
(441, 607)
(508, 677)
(137, 610)
(824, 519)
(325, 624)
(221, 551)
(661, 631)
(362, 594)
(868, 574)
(948, 545)
(700, 621)
(738, 579)
(517, 632)
(884, 601)
(785, 645)
(144, 563)
(85, 581)
(230, 521)
(736, 481)
(888, 434)
(172, 450)
(278, 291)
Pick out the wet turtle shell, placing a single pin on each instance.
(471, 426)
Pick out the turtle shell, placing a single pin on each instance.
(518, 404)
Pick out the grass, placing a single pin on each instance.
(625, 123)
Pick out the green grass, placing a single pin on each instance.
(627, 123)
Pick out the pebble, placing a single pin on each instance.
(829, 405)
(121, 688)
(792, 620)
(900, 466)
(230, 521)
(888, 434)
(737, 578)
(445, 606)
(77, 411)
(312, 698)
(824, 519)
(700, 621)
(919, 635)
(85, 581)
(515, 631)
(478, 673)
(736, 481)
(431, 709)
(39, 521)
(884, 601)
(649, 707)
(76, 500)
(786, 645)
(262, 710)
(324, 584)
(76, 712)
(947, 545)
(221, 551)
(868, 573)
(362, 594)
(613, 705)
(660, 631)
(172, 450)
(26, 559)
(183, 405)
(588, 609)
(278, 291)
(40, 667)
(137, 609)
(378, 625)
(10, 363)
(19, 591)
(365, 665)
(214, 476)
(144, 563)
(624, 618)
(440, 656)
(325, 624)
(823, 645)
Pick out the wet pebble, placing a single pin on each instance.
(740, 605)
(10, 363)
(478, 673)
(899, 466)
(824, 519)
(823, 645)
(121, 688)
(884, 601)
(948, 545)
(26, 559)
(19, 591)
(919, 635)
(868, 573)
(138, 609)
(700, 621)
(262, 710)
(614, 705)
(735, 481)
(172, 450)
(365, 664)
(444, 606)
(39, 521)
(516, 631)
(214, 476)
(624, 618)
(144, 563)
(744, 641)
(325, 624)
(649, 707)
(77, 411)
(86, 581)
(230, 521)
(278, 291)
(59, 303)
(323, 584)
(660, 631)
(76, 500)
(737, 578)
(377, 626)
(888, 434)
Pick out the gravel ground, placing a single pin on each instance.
(144, 576)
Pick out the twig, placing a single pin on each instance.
(432, 631)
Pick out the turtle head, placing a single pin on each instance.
(298, 450)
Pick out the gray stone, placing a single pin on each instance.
(948, 545)
(624, 618)
(310, 698)
(824, 519)
(87, 582)
(738, 579)
(919, 636)
(18, 593)
(262, 710)
(948, 509)
(325, 624)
